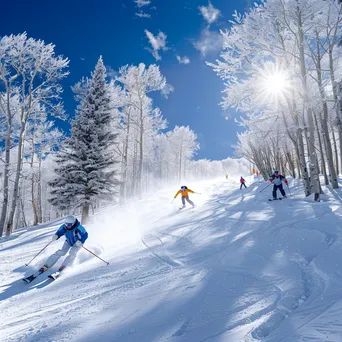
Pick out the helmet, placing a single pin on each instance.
(276, 171)
(183, 187)
(69, 220)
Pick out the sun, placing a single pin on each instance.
(276, 83)
(273, 83)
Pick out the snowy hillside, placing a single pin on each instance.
(235, 268)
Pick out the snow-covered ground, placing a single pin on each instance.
(235, 268)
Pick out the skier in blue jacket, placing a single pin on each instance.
(75, 235)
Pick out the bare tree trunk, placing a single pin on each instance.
(332, 174)
(34, 207)
(335, 150)
(293, 139)
(23, 210)
(302, 168)
(291, 164)
(9, 226)
(123, 185)
(337, 107)
(299, 168)
(39, 184)
(134, 171)
(7, 164)
(312, 153)
(331, 166)
(141, 152)
(302, 162)
(293, 158)
(326, 180)
(33, 200)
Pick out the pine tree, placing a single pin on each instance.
(86, 163)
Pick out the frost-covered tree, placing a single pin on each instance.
(30, 71)
(86, 163)
(42, 139)
(138, 119)
(184, 145)
(173, 153)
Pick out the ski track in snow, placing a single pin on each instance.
(236, 268)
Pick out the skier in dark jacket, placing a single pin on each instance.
(242, 182)
(277, 181)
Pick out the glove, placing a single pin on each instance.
(55, 237)
(286, 181)
(78, 243)
(271, 180)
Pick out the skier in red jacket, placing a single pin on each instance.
(242, 182)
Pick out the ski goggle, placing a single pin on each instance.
(68, 224)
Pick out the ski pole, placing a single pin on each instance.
(38, 254)
(265, 187)
(95, 255)
(172, 200)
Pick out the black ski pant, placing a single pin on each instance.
(275, 188)
(188, 200)
(243, 183)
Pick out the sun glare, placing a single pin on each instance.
(275, 83)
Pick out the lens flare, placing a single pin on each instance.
(273, 83)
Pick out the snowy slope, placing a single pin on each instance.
(236, 268)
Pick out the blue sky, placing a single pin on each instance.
(119, 30)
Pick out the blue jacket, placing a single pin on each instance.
(77, 232)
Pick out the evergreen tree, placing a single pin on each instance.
(86, 163)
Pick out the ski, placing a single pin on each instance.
(274, 199)
(32, 277)
(55, 275)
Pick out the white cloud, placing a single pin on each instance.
(210, 41)
(158, 42)
(209, 13)
(183, 60)
(141, 14)
(142, 3)
(167, 90)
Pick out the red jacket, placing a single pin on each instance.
(242, 180)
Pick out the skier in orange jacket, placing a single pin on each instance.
(184, 191)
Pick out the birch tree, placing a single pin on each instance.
(136, 107)
(29, 69)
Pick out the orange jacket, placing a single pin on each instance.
(184, 193)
